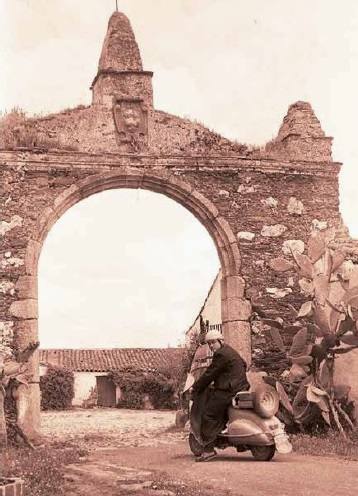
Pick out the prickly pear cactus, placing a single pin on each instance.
(331, 314)
(16, 371)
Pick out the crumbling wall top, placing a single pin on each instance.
(300, 120)
(301, 137)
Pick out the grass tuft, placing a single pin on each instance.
(42, 469)
(329, 444)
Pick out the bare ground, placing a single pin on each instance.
(132, 452)
(110, 427)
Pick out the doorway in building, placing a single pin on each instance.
(106, 391)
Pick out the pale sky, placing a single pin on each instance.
(234, 65)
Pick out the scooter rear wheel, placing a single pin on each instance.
(263, 453)
(194, 446)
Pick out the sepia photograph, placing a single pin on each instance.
(178, 248)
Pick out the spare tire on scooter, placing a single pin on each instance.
(266, 401)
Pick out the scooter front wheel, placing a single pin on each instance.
(194, 445)
(263, 453)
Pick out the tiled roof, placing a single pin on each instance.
(97, 360)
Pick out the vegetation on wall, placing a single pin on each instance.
(161, 386)
(135, 384)
(19, 131)
(326, 327)
(57, 389)
(14, 373)
(15, 131)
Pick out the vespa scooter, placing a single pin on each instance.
(252, 426)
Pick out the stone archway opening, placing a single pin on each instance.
(122, 275)
(123, 268)
(235, 309)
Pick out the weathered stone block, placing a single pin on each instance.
(273, 231)
(245, 235)
(28, 399)
(7, 287)
(245, 190)
(269, 202)
(26, 287)
(202, 202)
(319, 225)
(66, 199)
(44, 222)
(6, 337)
(278, 293)
(185, 188)
(15, 221)
(225, 228)
(235, 309)
(24, 309)
(291, 245)
(25, 332)
(8, 262)
(32, 256)
(232, 287)
(295, 206)
(238, 335)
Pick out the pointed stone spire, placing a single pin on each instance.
(120, 73)
(120, 51)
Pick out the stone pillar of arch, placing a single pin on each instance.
(235, 309)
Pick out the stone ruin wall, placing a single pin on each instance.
(270, 197)
(268, 204)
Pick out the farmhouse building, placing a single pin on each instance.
(210, 311)
(92, 367)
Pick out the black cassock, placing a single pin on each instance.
(208, 414)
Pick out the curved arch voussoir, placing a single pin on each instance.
(161, 181)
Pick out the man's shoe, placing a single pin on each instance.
(206, 456)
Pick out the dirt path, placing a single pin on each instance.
(229, 473)
(129, 449)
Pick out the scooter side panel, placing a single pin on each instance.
(264, 424)
(246, 427)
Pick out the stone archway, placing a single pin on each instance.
(268, 197)
(235, 309)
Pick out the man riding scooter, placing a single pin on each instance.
(228, 374)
